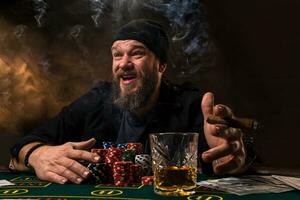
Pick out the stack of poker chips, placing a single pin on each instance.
(121, 165)
(121, 173)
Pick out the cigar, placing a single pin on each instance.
(242, 123)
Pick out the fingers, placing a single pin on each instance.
(61, 175)
(207, 104)
(221, 151)
(84, 145)
(227, 158)
(228, 165)
(53, 177)
(64, 170)
(72, 170)
(60, 163)
(83, 155)
(222, 111)
(227, 133)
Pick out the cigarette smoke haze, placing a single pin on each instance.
(40, 6)
(53, 51)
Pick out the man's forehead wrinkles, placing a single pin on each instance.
(128, 45)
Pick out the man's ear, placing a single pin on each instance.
(162, 67)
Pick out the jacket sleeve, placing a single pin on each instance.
(68, 125)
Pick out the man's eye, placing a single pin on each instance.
(117, 54)
(138, 53)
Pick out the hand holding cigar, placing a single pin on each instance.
(242, 123)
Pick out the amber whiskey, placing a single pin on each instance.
(176, 178)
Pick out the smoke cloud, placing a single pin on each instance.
(98, 7)
(53, 51)
(40, 6)
(189, 34)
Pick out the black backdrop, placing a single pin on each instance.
(246, 52)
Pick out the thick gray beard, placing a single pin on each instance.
(138, 99)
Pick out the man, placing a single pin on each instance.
(138, 102)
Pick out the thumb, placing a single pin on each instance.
(207, 104)
(84, 144)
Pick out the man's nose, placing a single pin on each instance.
(126, 62)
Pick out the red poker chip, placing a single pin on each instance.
(136, 165)
(121, 184)
(101, 152)
(123, 163)
(120, 171)
(119, 175)
(118, 168)
(147, 180)
(120, 179)
(135, 146)
(112, 160)
(115, 150)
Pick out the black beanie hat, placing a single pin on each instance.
(148, 32)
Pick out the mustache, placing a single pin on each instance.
(122, 72)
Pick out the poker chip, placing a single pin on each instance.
(107, 145)
(128, 155)
(147, 180)
(101, 152)
(145, 161)
(109, 171)
(97, 173)
(136, 172)
(122, 146)
(120, 166)
(113, 155)
(121, 173)
(138, 147)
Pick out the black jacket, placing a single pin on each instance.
(94, 115)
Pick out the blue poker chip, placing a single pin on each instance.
(122, 146)
(107, 145)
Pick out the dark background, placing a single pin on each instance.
(246, 52)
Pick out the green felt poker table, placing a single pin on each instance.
(28, 186)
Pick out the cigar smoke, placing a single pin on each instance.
(98, 8)
(192, 49)
(189, 31)
(53, 51)
(21, 94)
(32, 86)
(40, 7)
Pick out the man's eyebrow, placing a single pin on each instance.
(139, 47)
(131, 48)
(113, 48)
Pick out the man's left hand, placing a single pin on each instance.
(227, 151)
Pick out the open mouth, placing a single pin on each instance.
(127, 78)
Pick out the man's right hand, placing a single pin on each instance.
(60, 164)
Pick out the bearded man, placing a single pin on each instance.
(137, 102)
